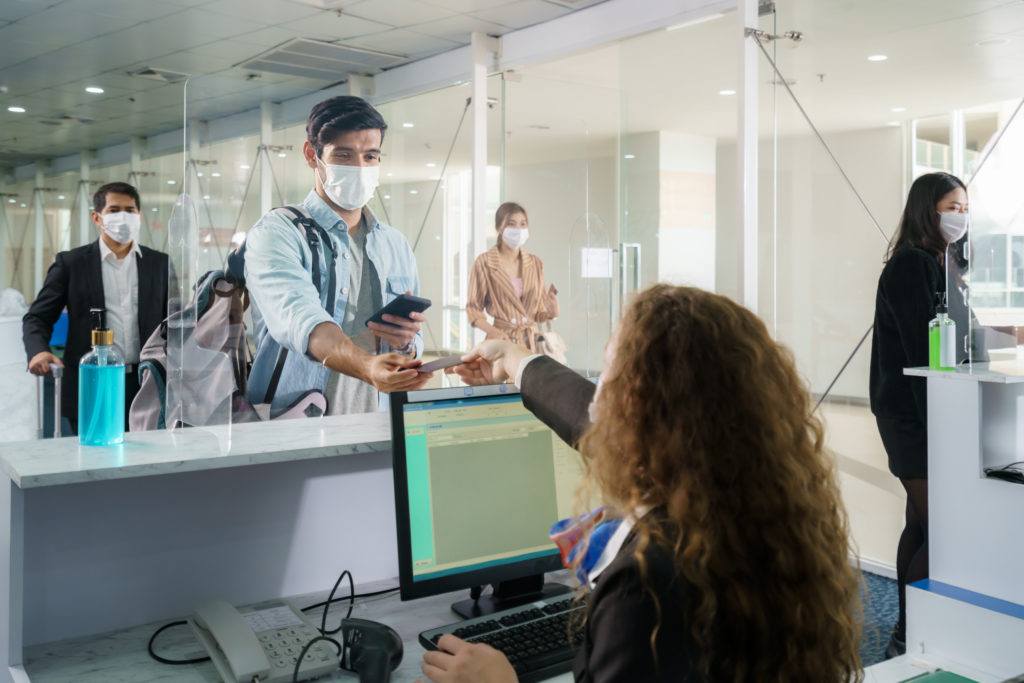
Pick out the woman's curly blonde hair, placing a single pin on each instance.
(703, 415)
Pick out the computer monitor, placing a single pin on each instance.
(478, 483)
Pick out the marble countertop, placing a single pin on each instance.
(997, 372)
(50, 462)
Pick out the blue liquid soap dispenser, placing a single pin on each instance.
(101, 388)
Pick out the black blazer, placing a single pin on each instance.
(75, 280)
(621, 614)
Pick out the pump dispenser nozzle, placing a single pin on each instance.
(101, 336)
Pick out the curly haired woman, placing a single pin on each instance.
(734, 562)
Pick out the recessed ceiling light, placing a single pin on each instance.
(892, 123)
(437, 237)
(414, 191)
(726, 92)
(878, 58)
(243, 166)
(898, 110)
(282, 155)
(12, 201)
(389, 174)
(23, 205)
(155, 209)
(407, 125)
(17, 110)
(60, 196)
(431, 165)
(629, 156)
(200, 174)
(215, 174)
(387, 196)
(94, 90)
(172, 182)
(206, 196)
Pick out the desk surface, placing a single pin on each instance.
(121, 657)
(49, 462)
(998, 372)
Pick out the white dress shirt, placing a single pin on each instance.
(121, 299)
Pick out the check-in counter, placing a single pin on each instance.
(970, 613)
(98, 539)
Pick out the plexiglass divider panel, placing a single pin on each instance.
(995, 242)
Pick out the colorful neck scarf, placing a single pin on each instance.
(589, 534)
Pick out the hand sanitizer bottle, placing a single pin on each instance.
(101, 388)
(941, 338)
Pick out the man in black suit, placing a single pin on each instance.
(113, 273)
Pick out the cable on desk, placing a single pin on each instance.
(330, 597)
(358, 596)
(305, 649)
(164, 660)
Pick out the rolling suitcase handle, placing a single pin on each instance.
(58, 374)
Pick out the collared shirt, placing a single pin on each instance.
(286, 308)
(121, 299)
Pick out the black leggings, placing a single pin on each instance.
(912, 553)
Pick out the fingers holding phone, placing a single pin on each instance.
(400, 320)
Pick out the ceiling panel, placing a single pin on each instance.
(269, 12)
(458, 27)
(12, 10)
(130, 11)
(331, 26)
(523, 13)
(403, 42)
(398, 12)
(467, 5)
(58, 27)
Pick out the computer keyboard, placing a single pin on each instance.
(534, 637)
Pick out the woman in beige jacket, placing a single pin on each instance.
(508, 284)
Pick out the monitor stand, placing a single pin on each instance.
(508, 594)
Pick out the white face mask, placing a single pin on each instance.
(953, 225)
(515, 237)
(350, 187)
(592, 408)
(122, 227)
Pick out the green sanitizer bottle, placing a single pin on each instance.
(941, 338)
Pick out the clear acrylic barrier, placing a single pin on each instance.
(996, 240)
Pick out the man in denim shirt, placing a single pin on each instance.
(334, 351)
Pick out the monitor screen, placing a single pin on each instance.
(478, 483)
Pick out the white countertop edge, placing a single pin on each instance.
(1000, 372)
(51, 462)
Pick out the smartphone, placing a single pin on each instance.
(440, 364)
(401, 306)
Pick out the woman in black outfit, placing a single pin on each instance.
(923, 258)
(734, 563)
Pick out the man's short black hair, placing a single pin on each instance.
(339, 114)
(99, 200)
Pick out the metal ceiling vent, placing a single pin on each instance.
(320, 60)
(162, 75)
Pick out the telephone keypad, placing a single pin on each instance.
(283, 646)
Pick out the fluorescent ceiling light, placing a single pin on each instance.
(878, 58)
(693, 22)
(215, 174)
(94, 90)
(172, 182)
(629, 156)
(206, 196)
(281, 155)
(407, 125)
(17, 110)
(12, 201)
(726, 92)
(60, 196)
(414, 191)
(387, 196)
(431, 165)
(244, 166)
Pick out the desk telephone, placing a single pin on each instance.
(262, 644)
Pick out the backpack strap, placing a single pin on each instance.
(315, 235)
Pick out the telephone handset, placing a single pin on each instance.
(261, 644)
